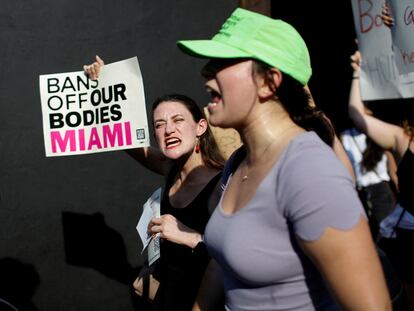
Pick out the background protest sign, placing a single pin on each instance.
(380, 76)
(82, 116)
(403, 35)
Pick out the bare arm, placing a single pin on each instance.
(349, 262)
(384, 134)
(171, 229)
(211, 293)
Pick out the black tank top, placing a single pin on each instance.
(180, 270)
(405, 175)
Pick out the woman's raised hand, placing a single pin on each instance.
(386, 15)
(93, 69)
(356, 61)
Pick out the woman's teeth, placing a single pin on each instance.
(172, 142)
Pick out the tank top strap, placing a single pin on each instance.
(170, 179)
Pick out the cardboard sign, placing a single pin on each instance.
(82, 116)
(403, 34)
(381, 78)
(152, 208)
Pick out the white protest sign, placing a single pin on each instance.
(380, 78)
(82, 116)
(154, 249)
(142, 226)
(403, 34)
(151, 209)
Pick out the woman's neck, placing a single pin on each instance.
(188, 164)
(269, 130)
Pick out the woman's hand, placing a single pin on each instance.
(356, 63)
(94, 69)
(173, 230)
(386, 15)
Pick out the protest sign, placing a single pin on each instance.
(82, 116)
(380, 77)
(402, 34)
(152, 208)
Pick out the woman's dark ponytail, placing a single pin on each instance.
(296, 100)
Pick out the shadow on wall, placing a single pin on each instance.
(90, 243)
(18, 282)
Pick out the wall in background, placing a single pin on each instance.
(67, 224)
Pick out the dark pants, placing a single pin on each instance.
(378, 201)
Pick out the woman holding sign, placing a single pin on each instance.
(400, 139)
(189, 158)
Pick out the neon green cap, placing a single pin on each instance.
(247, 34)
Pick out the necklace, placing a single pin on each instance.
(246, 175)
(272, 143)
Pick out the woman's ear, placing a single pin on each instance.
(202, 127)
(268, 84)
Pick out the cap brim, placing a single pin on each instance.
(210, 49)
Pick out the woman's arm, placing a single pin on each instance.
(349, 262)
(384, 134)
(211, 293)
(171, 229)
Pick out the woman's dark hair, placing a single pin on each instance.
(408, 126)
(296, 101)
(371, 155)
(209, 149)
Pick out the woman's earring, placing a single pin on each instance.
(197, 147)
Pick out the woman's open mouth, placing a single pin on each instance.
(172, 143)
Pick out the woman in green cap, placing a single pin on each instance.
(289, 232)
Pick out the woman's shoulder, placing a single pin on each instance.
(306, 144)
(307, 155)
(403, 140)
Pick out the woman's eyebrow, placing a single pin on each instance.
(178, 115)
(172, 117)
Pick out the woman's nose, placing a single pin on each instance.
(170, 127)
